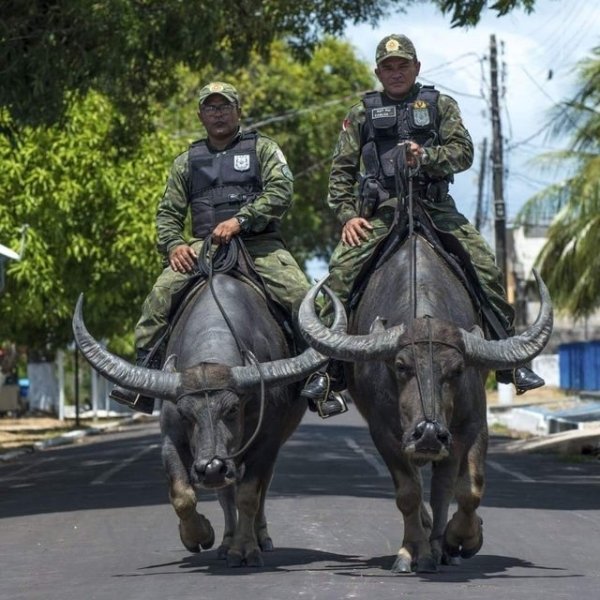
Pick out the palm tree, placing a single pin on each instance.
(570, 259)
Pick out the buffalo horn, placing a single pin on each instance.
(338, 344)
(517, 350)
(148, 382)
(289, 370)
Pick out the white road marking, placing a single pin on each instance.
(373, 460)
(103, 478)
(515, 474)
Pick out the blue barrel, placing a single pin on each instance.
(591, 366)
(571, 361)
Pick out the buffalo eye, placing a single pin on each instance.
(454, 372)
(403, 370)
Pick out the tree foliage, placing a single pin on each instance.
(90, 210)
(570, 261)
(55, 51)
(90, 205)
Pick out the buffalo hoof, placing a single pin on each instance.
(453, 561)
(427, 564)
(196, 533)
(266, 545)
(463, 551)
(234, 559)
(254, 559)
(402, 565)
(222, 552)
(470, 552)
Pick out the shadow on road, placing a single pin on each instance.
(317, 460)
(299, 559)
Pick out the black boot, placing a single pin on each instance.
(523, 378)
(320, 395)
(133, 400)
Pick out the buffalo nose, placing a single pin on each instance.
(210, 469)
(431, 432)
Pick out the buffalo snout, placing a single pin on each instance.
(211, 473)
(429, 438)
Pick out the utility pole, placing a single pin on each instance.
(479, 217)
(497, 165)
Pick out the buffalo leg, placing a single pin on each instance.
(262, 533)
(244, 549)
(227, 501)
(442, 488)
(464, 532)
(415, 553)
(195, 529)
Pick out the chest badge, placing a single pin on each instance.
(241, 162)
(420, 113)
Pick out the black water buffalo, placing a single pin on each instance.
(416, 367)
(214, 409)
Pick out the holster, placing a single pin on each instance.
(371, 193)
(436, 191)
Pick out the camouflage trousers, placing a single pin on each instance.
(346, 261)
(273, 262)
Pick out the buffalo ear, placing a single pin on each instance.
(169, 365)
(378, 325)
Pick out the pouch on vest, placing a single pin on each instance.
(384, 120)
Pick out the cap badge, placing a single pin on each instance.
(392, 45)
(215, 87)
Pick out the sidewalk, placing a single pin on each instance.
(27, 434)
(31, 433)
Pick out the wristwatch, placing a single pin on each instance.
(243, 221)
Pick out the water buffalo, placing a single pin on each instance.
(218, 405)
(416, 366)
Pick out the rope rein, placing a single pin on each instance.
(221, 261)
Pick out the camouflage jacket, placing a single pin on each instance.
(453, 154)
(271, 205)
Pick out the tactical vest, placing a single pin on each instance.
(387, 125)
(222, 182)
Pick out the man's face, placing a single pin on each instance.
(397, 75)
(220, 117)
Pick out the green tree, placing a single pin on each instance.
(90, 205)
(54, 51)
(570, 261)
(90, 210)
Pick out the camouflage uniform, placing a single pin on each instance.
(453, 154)
(274, 263)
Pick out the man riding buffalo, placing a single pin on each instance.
(234, 183)
(430, 127)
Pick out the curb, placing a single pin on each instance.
(71, 437)
(565, 442)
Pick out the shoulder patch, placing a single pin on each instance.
(345, 124)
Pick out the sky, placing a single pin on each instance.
(539, 53)
(537, 57)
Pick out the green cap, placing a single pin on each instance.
(395, 45)
(219, 87)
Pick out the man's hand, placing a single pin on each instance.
(182, 258)
(356, 230)
(414, 154)
(225, 230)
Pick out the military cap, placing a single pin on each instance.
(395, 45)
(218, 87)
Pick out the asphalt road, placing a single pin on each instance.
(92, 522)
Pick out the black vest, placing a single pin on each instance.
(222, 182)
(388, 124)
